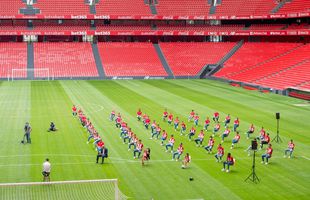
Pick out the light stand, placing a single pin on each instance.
(253, 177)
(277, 139)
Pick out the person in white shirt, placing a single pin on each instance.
(46, 170)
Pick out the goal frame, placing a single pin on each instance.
(115, 181)
(14, 71)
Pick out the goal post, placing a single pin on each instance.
(32, 74)
(56, 190)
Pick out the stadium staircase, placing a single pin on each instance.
(98, 61)
(279, 6)
(30, 61)
(163, 60)
(219, 65)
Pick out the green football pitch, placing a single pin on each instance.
(41, 102)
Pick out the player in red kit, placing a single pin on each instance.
(178, 153)
(196, 120)
(220, 153)
(216, 117)
(229, 162)
(183, 128)
(112, 115)
(165, 115)
(139, 114)
(227, 120)
(147, 123)
(139, 148)
(186, 161)
(176, 123)
(170, 144)
(74, 113)
(210, 145)
(236, 124)
(290, 149)
(235, 140)
(216, 129)
(250, 131)
(191, 115)
(207, 123)
(146, 155)
(163, 137)
(200, 138)
(170, 118)
(191, 133)
(225, 134)
(267, 155)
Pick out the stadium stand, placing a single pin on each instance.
(130, 59)
(11, 25)
(244, 7)
(61, 7)
(65, 59)
(295, 6)
(284, 65)
(13, 56)
(183, 7)
(122, 7)
(187, 59)
(10, 8)
(52, 25)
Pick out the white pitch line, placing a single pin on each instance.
(305, 157)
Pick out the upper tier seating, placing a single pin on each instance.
(130, 59)
(183, 7)
(65, 59)
(122, 7)
(295, 6)
(275, 65)
(10, 8)
(245, 7)
(13, 56)
(187, 59)
(61, 7)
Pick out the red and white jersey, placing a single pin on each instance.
(123, 125)
(165, 134)
(158, 129)
(165, 114)
(187, 158)
(196, 117)
(262, 132)
(176, 121)
(237, 137)
(147, 121)
(291, 145)
(154, 124)
(130, 133)
(217, 126)
(135, 140)
(100, 144)
(183, 125)
(171, 140)
(267, 138)
(227, 118)
(74, 109)
(201, 135)
(139, 113)
(226, 132)
(170, 117)
(192, 114)
(193, 130)
(269, 151)
(216, 114)
(139, 146)
(180, 149)
(207, 121)
(211, 142)
(118, 120)
(220, 150)
(236, 122)
(230, 159)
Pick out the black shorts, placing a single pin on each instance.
(45, 174)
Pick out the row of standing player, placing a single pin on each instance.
(102, 151)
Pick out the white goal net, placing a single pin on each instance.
(58, 190)
(32, 74)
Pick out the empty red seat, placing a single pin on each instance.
(130, 59)
(65, 59)
(13, 56)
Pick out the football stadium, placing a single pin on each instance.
(154, 99)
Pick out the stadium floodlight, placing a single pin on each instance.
(37, 74)
(81, 189)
